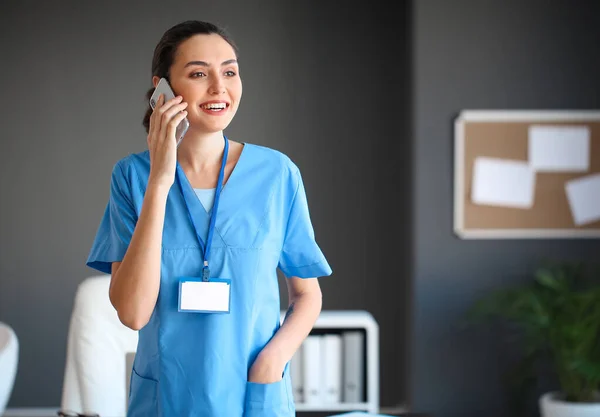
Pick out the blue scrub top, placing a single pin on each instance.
(195, 364)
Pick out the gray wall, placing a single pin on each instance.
(328, 85)
(491, 55)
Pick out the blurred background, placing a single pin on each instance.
(361, 95)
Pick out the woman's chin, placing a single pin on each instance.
(206, 128)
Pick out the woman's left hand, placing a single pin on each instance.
(266, 369)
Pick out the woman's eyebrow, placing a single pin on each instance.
(206, 64)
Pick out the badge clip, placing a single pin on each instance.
(205, 272)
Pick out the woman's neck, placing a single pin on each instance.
(201, 152)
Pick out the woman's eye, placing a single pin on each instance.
(198, 74)
(230, 73)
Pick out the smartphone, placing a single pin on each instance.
(163, 87)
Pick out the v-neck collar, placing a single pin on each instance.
(196, 209)
(192, 203)
(201, 192)
(235, 168)
(231, 176)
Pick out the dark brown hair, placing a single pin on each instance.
(165, 50)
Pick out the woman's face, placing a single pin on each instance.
(205, 72)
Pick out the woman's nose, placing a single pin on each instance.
(217, 86)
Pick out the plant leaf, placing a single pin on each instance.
(546, 278)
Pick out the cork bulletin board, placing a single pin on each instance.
(527, 174)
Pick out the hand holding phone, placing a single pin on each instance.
(163, 139)
(164, 88)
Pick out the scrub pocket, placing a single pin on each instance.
(269, 400)
(143, 399)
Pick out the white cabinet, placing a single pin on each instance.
(344, 322)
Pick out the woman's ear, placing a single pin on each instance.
(155, 80)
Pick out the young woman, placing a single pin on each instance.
(193, 236)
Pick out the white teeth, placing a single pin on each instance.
(215, 106)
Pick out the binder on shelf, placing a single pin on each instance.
(331, 359)
(353, 366)
(311, 366)
(296, 373)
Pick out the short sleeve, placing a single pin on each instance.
(116, 226)
(301, 256)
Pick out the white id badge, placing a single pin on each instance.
(197, 296)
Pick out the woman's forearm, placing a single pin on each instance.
(135, 285)
(302, 313)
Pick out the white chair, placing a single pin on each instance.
(95, 371)
(9, 360)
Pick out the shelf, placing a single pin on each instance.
(332, 407)
(340, 320)
(343, 319)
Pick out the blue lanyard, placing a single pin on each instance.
(213, 217)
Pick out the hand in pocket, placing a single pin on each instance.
(265, 370)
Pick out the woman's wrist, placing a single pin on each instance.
(158, 190)
(272, 355)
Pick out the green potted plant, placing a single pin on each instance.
(556, 317)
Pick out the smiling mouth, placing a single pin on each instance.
(214, 107)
